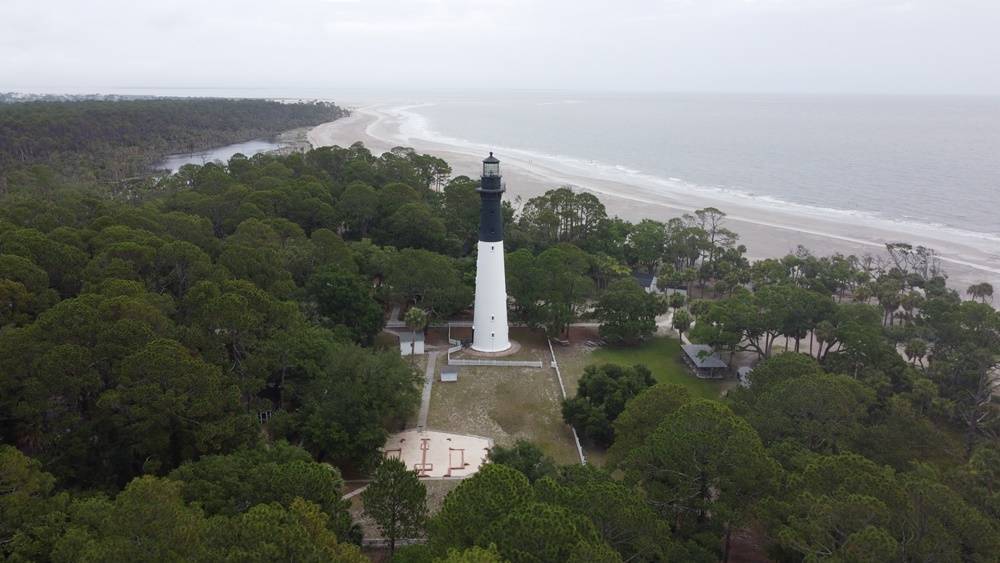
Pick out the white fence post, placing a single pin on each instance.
(562, 388)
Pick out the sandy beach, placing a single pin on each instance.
(767, 232)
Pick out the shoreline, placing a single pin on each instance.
(767, 233)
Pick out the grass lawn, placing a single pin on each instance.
(506, 403)
(662, 356)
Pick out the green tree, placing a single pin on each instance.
(272, 532)
(253, 253)
(916, 351)
(757, 319)
(601, 396)
(148, 521)
(228, 485)
(394, 196)
(397, 501)
(702, 463)
(561, 215)
(414, 225)
(179, 265)
(173, 407)
(15, 303)
(848, 507)
(627, 313)
(415, 319)
(676, 300)
(429, 280)
(563, 285)
(54, 373)
(781, 368)
(343, 413)
(618, 512)
(472, 555)
(537, 532)
(642, 415)
(966, 353)
(526, 457)
(63, 263)
(646, 244)
(461, 210)
(681, 322)
(710, 220)
(524, 286)
(30, 509)
(493, 492)
(359, 207)
(345, 301)
(823, 413)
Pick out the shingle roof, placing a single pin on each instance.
(703, 356)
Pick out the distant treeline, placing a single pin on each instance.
(117, 139)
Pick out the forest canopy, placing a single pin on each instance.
(118, 139)
(189, 369)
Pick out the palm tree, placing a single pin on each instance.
(688, 276)
(681, 323)
(910, 302)
(889, 298)
(863, 293)
(416, 319)
(825, 332)
(916, 350)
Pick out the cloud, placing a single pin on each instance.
(731, 45)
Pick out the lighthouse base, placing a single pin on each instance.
(489, 324)
(515, 347)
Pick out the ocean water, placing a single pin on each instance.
(922, 162)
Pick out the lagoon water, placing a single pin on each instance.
(927, 162)
(218, 154)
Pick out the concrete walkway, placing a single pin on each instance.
(665, 326)
(425, 398)
(394, 321)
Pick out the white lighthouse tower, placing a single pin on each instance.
(489, 324)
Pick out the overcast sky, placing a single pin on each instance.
(828, 46)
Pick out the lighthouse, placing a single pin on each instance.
(489, 323)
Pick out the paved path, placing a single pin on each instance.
(394, 321)
(425, 398)
(665, 325)
(354, 493)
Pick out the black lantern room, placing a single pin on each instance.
(491, 175)
(490, 191)
(491, 166)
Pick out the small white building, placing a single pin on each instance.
(411, 343)
(449, 374)
(646, 281)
